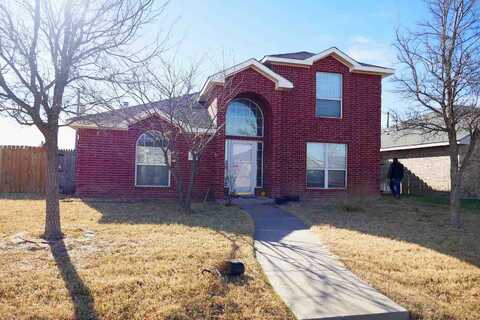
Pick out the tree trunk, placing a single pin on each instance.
(455, 191)
(53, 230)
(188, 196)
(455, 217)
(175, 170)
(179, 189)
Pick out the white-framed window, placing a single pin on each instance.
(244, 118)
(329, 95)
(326, 165)
(150, 164)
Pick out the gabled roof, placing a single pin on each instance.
(219, 78)
(308, 58)
(199, 115)
(120, 119)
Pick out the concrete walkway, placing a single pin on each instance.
(312, 282)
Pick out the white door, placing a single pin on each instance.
(242, 165)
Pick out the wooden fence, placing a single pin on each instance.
(23, 169)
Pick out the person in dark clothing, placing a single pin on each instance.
(395, 174)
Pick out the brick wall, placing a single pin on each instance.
(359, 127)
(106, 162)
(290, 123)
(106, 166)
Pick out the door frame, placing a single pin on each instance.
(253, 175)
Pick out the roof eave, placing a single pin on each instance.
(421, 146)
(219, 78)
(125, 124)
(384, 72)
(79, 125)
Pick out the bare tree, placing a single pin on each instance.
(51, 49)
(230, 177)
(167, 105)
(441, 74)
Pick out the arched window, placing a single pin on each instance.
(151, 165)
(244, 118)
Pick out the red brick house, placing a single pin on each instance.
(298, 124)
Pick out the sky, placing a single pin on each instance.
(221, 33)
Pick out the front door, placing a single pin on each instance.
(242, 165)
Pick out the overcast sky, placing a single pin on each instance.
(223, 32)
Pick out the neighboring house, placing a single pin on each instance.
(297, 124)
(427, 160)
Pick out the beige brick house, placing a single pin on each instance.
(427, 163)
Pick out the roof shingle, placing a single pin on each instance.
(185, 108)
(303, 55)
(300, 55)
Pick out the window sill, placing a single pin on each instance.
(325, 117)
(320, 188)
(232, 137)
(153, 186)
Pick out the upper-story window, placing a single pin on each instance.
(151, 165)
(244, 118)
(329, 95)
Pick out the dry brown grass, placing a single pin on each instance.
(407, 250)
(129, 261)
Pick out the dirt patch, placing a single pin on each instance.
(80, 241)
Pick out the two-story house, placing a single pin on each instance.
(295, 124)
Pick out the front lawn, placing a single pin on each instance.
(406, 249)
(472, 205)
(128, 261)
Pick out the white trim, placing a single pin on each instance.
(213, 110)
(326, 169)
(258, 107)
(79, 125)
(254, 144)
(122, 125)
(219, 77)
(464, 140)
(136, 165)
(125, 124)
(417, 146)
(263, 159)
(353, 65)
